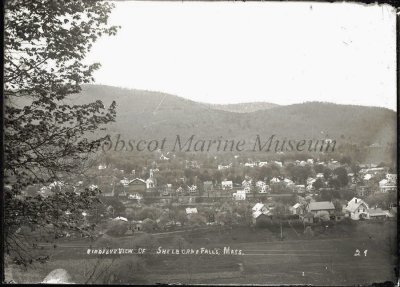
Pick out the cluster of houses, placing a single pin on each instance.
(363, 183)
(309, 212)
(369, 179)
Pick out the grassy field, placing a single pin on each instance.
(327, 258)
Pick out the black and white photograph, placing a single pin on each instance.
(199, 143)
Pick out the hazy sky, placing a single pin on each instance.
(231, 52)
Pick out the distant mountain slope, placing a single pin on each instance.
(145, 114)
(244, 107)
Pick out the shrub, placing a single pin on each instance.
(117, 228)
(197, 220)
(148, 225)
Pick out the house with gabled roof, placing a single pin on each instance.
(297, 209)
(227, 184)
(192, 189)
(386, 185)
(318, 206)
(191, 210)
(378, 213)
(275, 180)
(357, 209)
(258, 210)
(136, 185)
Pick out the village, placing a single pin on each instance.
(173, 193)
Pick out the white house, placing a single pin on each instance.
(246, 183)
(388, 184)
(163, 157)
(392, 177)
(297, 209)
(385, 186)
(288, 182)
(227, 184)
(262, 187)
(250, 164)
(192, 189)
(302, 163)
(221, 167)
(180, 190)
(120, 218)
(311, 180)
(136, 196)
(258, 210)
(102, 166)
(357, 209)
(367, 177)
(299, 188)
(262, 163)
(239, 195)
(125, 181)
(275, 180)
(247, 189)
(191, 210)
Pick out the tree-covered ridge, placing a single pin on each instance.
(148, 114)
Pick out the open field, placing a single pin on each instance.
(321, 260)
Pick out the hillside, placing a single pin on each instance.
(244, 107)
(145, 114)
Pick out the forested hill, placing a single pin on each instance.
(146, 114)
(244, 107)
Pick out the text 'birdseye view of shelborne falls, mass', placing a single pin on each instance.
(224, 180)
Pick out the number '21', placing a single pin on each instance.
(358, 252)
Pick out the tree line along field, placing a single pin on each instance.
(326, 258)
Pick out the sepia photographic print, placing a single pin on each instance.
(199, 143)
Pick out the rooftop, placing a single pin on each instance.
(321, 205)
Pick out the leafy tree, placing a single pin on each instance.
(327, 173)
(117, 228)
(318, 183)
(347, 194)
(226, 218)
(149, 212)
(197, 220)
(45, 138)
(281, 210)
(287, 200)
(298, 173)
(342, 177)
(338, 205)
(130, 213)
(381, 200)
(117, 207)
(244, 211)
(345, 160)
(162, 221)
(148, 225)
(323, 215)
(319, 168)
(181, 217)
